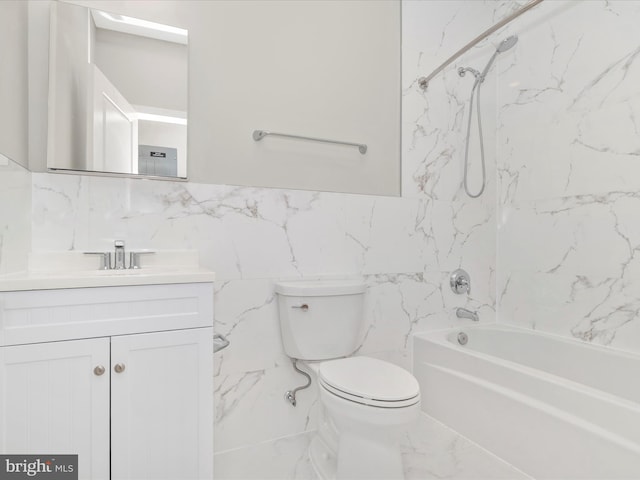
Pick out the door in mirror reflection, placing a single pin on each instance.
(114, 129)
(118, 94)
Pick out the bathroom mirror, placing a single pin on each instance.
(117, 94)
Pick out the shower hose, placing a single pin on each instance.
(476, 84)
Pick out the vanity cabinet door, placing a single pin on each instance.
(161, 405)
(54, 399)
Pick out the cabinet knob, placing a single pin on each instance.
(99, 370)
(119, 368)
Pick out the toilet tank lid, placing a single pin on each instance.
(316, 288)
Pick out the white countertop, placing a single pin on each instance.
(74, 270)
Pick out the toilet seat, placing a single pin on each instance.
(369, 381)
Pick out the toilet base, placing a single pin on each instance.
(351, 455)
(323, 451)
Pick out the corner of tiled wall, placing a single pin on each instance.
(15, 216)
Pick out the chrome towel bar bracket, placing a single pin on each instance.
(260, 134)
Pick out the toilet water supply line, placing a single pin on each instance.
(290, 395)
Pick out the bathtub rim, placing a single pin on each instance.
(441, 336)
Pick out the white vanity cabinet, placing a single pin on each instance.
(52, 403)
(121, 376)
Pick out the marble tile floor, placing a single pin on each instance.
(430, 451)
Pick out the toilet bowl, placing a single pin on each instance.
(367, 402)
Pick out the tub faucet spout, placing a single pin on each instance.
(464, 313)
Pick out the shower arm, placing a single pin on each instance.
(423, 82)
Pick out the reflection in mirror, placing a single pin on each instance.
(117, 94)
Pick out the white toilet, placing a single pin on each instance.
(368, 402)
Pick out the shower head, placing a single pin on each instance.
(503, 46)
(507, 43)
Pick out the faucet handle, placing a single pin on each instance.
(105, 259)
(460, 282)
(118, 243)
(134, 259)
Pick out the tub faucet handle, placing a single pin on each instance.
(460, 282)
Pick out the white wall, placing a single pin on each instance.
(13, 75)
(15, 216)
(15, 181)
(146, 71)
(68, 123)
(327, 69)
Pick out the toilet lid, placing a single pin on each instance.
(369, 381)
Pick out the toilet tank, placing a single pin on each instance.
(320, 319)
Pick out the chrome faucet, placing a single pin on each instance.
(119, 255)
(460, 282)
(464, 313)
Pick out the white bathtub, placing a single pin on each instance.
(554, 408)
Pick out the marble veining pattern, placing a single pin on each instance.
(15, 220)
(568, 149)
(551, 245)
(253, 237)
(430, 450)
(405, 248)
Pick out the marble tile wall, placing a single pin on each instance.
(253, 237)
(15, 216)
(568, 173)
(560, 115)
(405, 248)
(461, 230)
